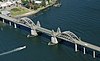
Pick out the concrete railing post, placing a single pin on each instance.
(3, 21)
(15, 26)
(84, 50)
(76, 47)
(94, 54)
(10, 23)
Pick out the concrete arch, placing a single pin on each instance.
(70, 35)
(27, 22)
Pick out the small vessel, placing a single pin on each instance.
(57, 5)
(20, 48)
(14, 50)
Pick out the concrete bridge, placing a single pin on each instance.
(66, 35)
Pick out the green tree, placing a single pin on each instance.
(44, 3)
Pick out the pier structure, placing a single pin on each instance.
(66, 35)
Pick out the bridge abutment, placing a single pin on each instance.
(33, 32)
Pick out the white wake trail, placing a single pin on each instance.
(14, 50)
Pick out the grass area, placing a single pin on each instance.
(18, 11)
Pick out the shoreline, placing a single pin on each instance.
(35, 11)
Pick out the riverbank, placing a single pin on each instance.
(36, 11)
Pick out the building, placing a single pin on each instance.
(8, 3)
(37, 2)
(6, 13)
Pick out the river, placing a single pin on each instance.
(79, 16)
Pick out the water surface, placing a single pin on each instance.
(79, 16)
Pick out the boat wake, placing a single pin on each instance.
(14, 50)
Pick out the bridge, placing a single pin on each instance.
(66, 35)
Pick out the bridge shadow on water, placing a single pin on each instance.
(80, 48)
(44, 36)
(71, 45)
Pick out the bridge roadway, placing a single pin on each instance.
(44, 30)
(58, 35)
(88, 45)
(82, 43)
(16, 21)
(85, 44)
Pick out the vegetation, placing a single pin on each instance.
(18, 11)
(32, 5)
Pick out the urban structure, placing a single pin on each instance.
(66, 35)
(34, 6)
(22, 7)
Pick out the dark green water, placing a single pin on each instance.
(79, 16)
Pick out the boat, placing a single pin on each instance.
(14, 50)
(20, 48)
(57, 5)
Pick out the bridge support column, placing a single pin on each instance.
(94, 54)
(84, 50)
(10, 23)
(76, 47)
(15, 26)
(3, 21)
(33, 32)
(53, 41)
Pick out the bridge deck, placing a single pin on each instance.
(82, 43)
(49, 32)
(8, 18)
(16, 21)
(94, 47)
(44, 30)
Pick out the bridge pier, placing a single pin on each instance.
(15, 26)
(53, 41)
(76, 47)
(33, 32)
(3, 21)
(94, 54)
(10, 23)
(84, 50)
